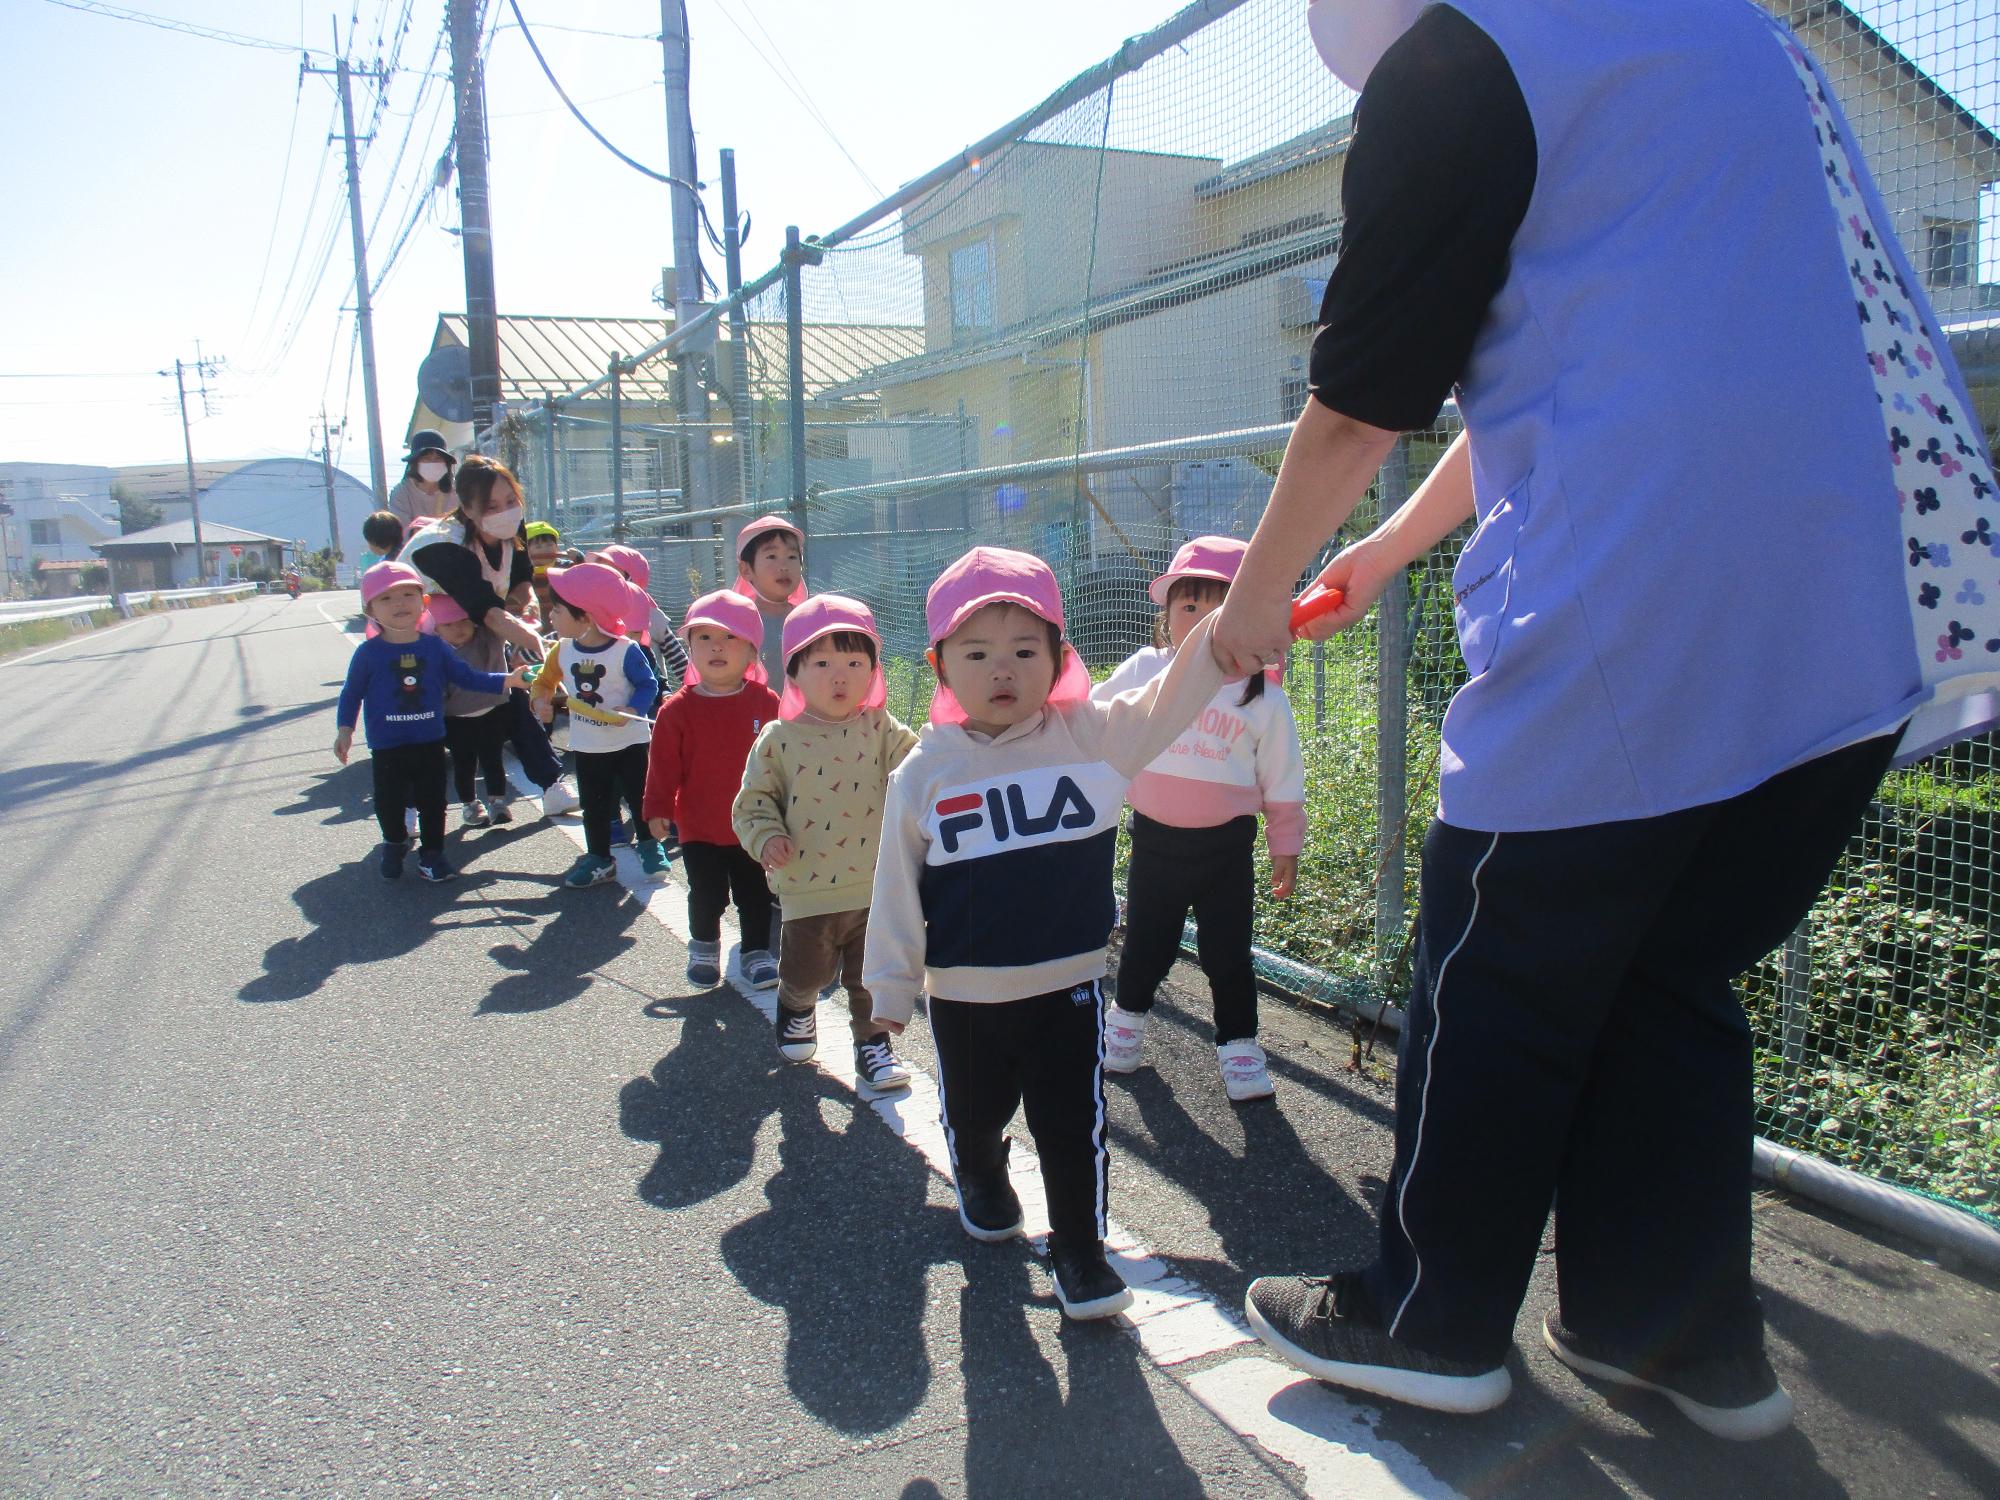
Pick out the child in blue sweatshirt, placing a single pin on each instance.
(396, 682)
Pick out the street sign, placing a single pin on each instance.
(235, 549)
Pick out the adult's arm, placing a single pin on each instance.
(455, 570)
(1437, 183)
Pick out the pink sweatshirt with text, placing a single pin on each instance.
(1236, 758)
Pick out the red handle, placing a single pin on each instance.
(1310, 606)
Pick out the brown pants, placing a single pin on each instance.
(817, 950)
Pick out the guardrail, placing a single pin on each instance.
(54, 609)
(143, 598)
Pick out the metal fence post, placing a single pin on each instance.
(549, 459)
(1795, 994)
(795, 379)
(1392, 702)
(617, 449)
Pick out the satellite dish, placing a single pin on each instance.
(444, 382)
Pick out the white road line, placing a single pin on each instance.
(1327, 1439)
(75, 640)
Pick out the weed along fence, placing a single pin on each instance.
(1087, 336)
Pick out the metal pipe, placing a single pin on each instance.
(1392, 703)
(795, 375)
(1945, 1229)
(617, 450)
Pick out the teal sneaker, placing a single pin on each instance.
(591, 869)
(653, 859)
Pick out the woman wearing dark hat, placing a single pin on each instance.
(424, 492)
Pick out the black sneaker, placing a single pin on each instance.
(1736, 1397)
(1086, 1286)
(392, 860)
(1326, 1326)
(876, 1068)
(434, 866)
(988, 1206)
(798, 1034)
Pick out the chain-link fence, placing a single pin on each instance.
(1087, 338)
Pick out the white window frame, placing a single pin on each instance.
(1958, 272)
(961, 326)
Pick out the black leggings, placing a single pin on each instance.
(716, 872)
(1211, 872)
(476, 742)
(409, 776)
(602, 777)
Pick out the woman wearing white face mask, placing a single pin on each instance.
(424, 491)
(1698, 377)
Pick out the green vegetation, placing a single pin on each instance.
(41, 632)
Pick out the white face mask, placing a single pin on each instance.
(430, 473)
(1352, 35)
(501, 524)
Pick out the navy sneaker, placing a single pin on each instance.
(434, 866)
(392, 860)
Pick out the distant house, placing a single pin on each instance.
(1203, 279)
(60, 511)
(163, 557)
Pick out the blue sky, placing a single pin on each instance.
(145, 190)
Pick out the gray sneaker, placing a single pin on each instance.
(1736, 1397)
(1326, 1326)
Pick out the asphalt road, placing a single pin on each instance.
(311, 1184)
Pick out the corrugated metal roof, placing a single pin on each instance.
(169, 481)
(542, 355)
(181, 534)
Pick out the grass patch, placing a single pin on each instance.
(31, 633)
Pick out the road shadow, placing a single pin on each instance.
(585, 930)
(1096, 1431)
(52, 778)
(345, 794)
(704, 1102)
(1271, 1204)
(845, 1249)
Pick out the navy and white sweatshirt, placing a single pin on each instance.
(399, 690)
(994, 878)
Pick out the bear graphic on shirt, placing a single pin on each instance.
(589, 678)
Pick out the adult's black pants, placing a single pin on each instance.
(717, 873)
(1046, 1054)
(1575, 1038)
(408, 776)
(1207, 871)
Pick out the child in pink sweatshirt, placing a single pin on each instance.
(1194, 826)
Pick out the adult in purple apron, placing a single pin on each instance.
(1730, 496)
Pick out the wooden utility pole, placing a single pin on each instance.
(468, 77)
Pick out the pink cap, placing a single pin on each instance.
(999, 575)
(600, 591)
(726, 609)
(824, 615)
(384, 576)
(628, 560)
(444, 610)
(1216, 557)
(761, 527)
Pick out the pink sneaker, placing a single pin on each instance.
(1124, 1038)
(1244, 1075)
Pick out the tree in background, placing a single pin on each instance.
(134, 514)
(319, 565)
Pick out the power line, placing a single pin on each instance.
(582, 119)
(175, 24)
(796, 86)
(78, 374)
(278, 213)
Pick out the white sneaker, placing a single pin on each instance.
(1124, 1038)
(559, 797)
(474, 815)
(1244, 1074)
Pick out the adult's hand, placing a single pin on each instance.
(516, 633)
(1360, 572)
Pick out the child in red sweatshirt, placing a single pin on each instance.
(701, 742)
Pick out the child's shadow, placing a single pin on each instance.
(353, 921)
(589, 929)
(844, 1249)
(703, 1102)
(343, 793)
(1024, 1435)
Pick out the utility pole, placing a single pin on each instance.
(364, 311)
(475, 208)
(326, 469)
(684, 197)
(204, 366)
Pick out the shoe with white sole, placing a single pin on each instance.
(1124, 1038)
(760, 970)
(704, 970)
(1738, 1398)
(1086, 1286)
(474, 815)
(798, 1034)
(876, 1068)
(988, 1206)
(589, 870)
(1327, 1327)
(560, 797)
(498, 810)
(1244, 1073)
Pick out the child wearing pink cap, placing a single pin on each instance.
(810, 810)
(700, 743)
(771, 570)
(656, 635)
(611, 690)
(1194, 829)
(475, 730)
(993, 894)
(398, 680)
